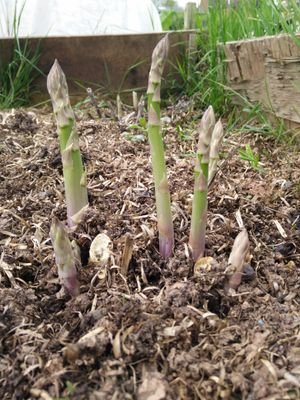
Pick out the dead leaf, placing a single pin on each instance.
(100, 250)
(153, 387)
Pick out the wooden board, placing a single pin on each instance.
(112, 63)
(267, 70)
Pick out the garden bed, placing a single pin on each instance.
(161, 332)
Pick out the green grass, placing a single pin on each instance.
(172, 20)
(205, 78)
(17, 76)
(247, 154)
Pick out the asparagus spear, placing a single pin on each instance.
(74, 174)
(162, 193)
(236, 261)
(65, 257)
(199, 208)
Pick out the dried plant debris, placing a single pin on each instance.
(142, 327)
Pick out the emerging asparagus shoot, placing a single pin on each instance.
(237, 258)
(65, 257)
(162, 194)
(199, 208)
(74, 174)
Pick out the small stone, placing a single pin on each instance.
(286, 249)
(261, 323)
(248, 273)
(166, 120)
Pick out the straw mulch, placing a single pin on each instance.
(157, 330)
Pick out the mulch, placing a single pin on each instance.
(161, 331)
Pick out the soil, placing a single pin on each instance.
(161, 330)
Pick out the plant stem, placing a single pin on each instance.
(162, 193)
(199, 208)
(74, 174)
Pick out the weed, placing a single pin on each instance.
(70, 389)
(247, 154)
(141, 125)
(135, 138)
(17, 76)
(137, 132)
(182, 134)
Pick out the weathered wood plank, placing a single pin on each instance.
(283, 85)
(267, 70)
(111, 62)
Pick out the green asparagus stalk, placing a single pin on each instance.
(162, 193)
(64, 257)
(215, 145)
(199, 208)
(74, 174)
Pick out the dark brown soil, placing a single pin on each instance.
(161, 332)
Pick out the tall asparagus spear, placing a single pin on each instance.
(199, 208)
(65, 257)
(74, 174)
(162, 194)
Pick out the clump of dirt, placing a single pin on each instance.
(160, 332)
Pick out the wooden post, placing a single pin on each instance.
(190, 16)
(190, 23)
(203, 8)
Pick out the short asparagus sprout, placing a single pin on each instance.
(237, 259)
(119, 107)
(215, 145)
(135, 101)
(65, 257)
(74, 174)
(199, 208)
(162, 193)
